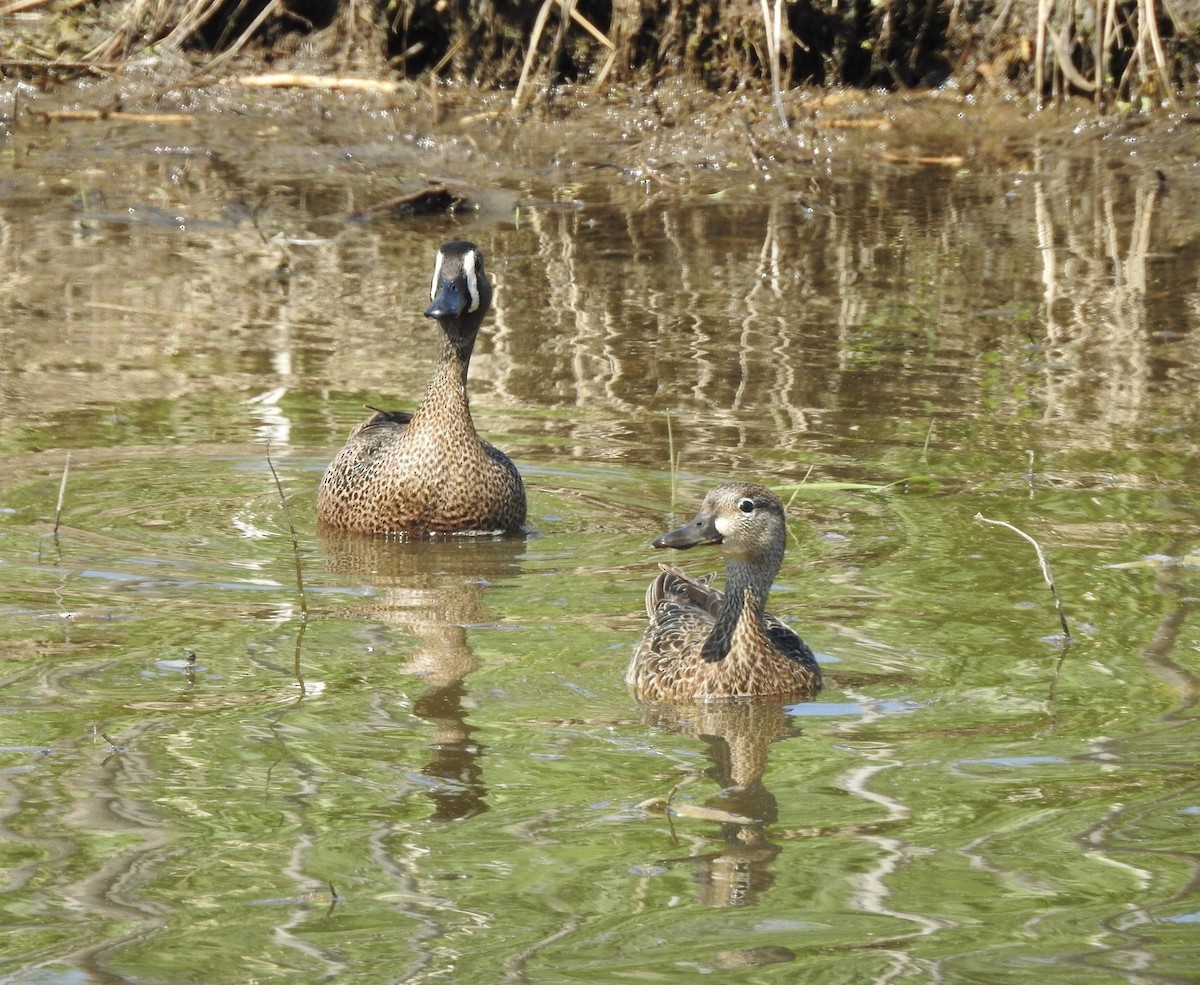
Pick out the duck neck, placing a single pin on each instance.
(746, 587)
(447, 396)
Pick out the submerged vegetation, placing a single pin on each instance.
(1111, 51)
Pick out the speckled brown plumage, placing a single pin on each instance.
(703, 644)
(414, 475)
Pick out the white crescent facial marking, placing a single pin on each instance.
(437, 273)
(472, 278)
(723, 525)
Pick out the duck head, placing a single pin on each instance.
(746, 521)
(460, 293)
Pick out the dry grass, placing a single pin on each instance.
(1111, 51)
(1117, 53)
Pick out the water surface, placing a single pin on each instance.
(438, 773)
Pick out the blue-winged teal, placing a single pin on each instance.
(429, 472)
(702, 644)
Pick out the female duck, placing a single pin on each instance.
(429, 472)
(702, 644)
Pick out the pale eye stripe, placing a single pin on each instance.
(472, 278)
(437, 273)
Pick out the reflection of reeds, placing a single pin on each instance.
(672, 456)
(1094, 252)
(752, 317)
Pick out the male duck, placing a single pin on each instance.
(413, 475)
(702, 644)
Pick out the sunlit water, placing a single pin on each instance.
(438, 774)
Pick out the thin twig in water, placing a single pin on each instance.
(671, 457)
(796, 490)
(787, 508)
(925, 449)
(1062, 617)
(62, 492)
(295, 540)
(670, 822)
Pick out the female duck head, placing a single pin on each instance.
(745, 521)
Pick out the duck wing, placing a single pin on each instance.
(383, 420)
(787, 642)
(681, 617)
(672, 590)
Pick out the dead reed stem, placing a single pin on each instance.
(567, 11)
(300, 80)
(1148, 25)
(1041, 556)
(539, 25)
(272, 9)
(773, 25)
(1146, 66)
(1039, 51)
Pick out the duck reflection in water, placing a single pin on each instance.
(434, 589)
(737, 734)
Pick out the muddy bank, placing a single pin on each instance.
(669, 138)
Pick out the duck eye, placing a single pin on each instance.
(746, 505)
